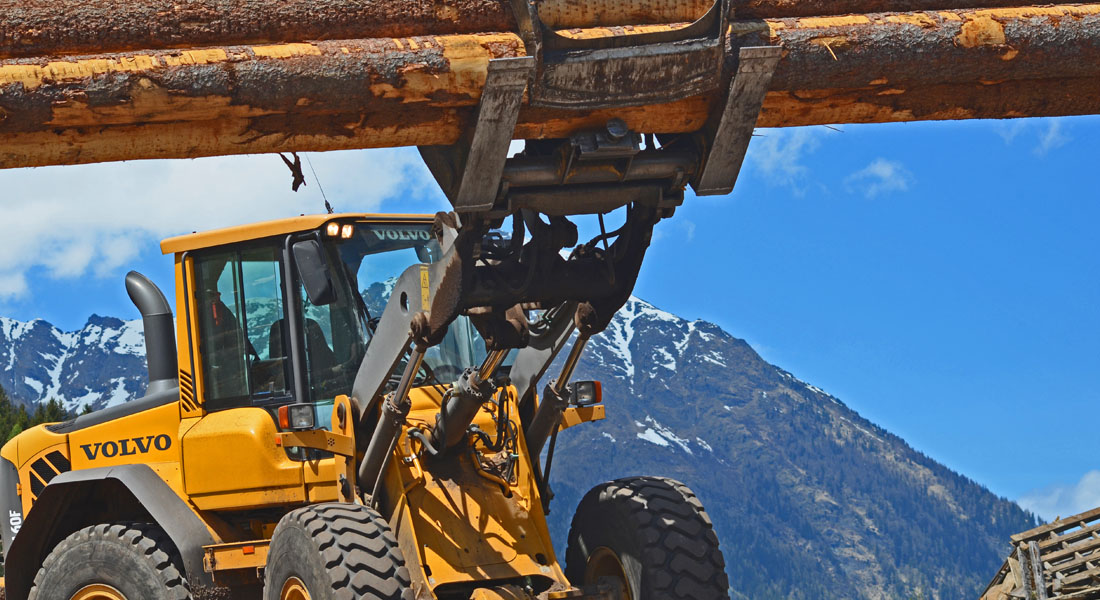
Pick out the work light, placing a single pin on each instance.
(296, 416)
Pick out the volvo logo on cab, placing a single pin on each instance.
(127, 447)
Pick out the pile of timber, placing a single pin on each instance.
(87, 81)
(1057, 560)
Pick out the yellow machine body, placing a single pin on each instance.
(456, 522)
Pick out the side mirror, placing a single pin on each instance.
(313, 270)
(424, 254)
(585, 393)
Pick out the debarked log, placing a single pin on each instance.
(70, 27)
(363, 93)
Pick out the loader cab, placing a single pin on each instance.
(282, 313)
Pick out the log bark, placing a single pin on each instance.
(31, 28)
(68, 27)
(398, 91)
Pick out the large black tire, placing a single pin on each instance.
(136, 560)
(336, 552)
(652, 534)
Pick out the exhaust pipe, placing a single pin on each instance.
(160, 335)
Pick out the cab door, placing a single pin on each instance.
(230, 460)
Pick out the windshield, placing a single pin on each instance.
(366, 266)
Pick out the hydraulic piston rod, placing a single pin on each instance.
(548, 416)
(394, 411)
(467, 395)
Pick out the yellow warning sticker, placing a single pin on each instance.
(425, 292)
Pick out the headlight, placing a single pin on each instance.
(585, 393)
(296, 416)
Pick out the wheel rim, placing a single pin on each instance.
(605, 563)
(294, 589)
(98, 591)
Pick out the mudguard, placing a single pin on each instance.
(137, 493)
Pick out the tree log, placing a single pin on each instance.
(31, 28)
(399, 91)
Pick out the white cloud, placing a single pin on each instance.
(1051, 138)
(879, 177)
(12, 285)
(778, 153)
(675, 230)
(1064, 500)
(1010, 129)
(72, 221)
(1049, 133)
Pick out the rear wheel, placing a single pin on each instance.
(652, 535)
(114, 561)
(335, 552)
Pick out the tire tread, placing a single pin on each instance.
(359, 552)
(151, 542)
(680, 557)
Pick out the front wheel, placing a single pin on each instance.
(652, 535)
(335, 551)
(112, 561)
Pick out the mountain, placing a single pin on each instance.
(809, 499)
(100, 365)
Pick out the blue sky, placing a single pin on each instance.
(940, 278)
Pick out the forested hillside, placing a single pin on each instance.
(809, 499)
(15, 418)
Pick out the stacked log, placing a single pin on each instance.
(95, 81)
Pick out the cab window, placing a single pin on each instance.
(335, 342)
(242, 341)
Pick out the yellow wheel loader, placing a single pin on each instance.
(292, 446)
(364, 406)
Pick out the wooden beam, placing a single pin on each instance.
(1041, 532)
(30, 28)
(377, 92)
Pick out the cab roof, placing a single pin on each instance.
(256, 231)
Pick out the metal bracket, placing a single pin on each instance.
(470, 171)
(729, 138)
(623, 70)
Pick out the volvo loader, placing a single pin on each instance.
(306, 437)
(306, 433)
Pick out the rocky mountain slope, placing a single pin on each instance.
(809, 499)
(100, 365)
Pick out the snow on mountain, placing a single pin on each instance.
(102, 364)
(626, 348)
(809, 499)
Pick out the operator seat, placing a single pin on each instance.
(322, 360)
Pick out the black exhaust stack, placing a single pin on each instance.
(160, 335)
